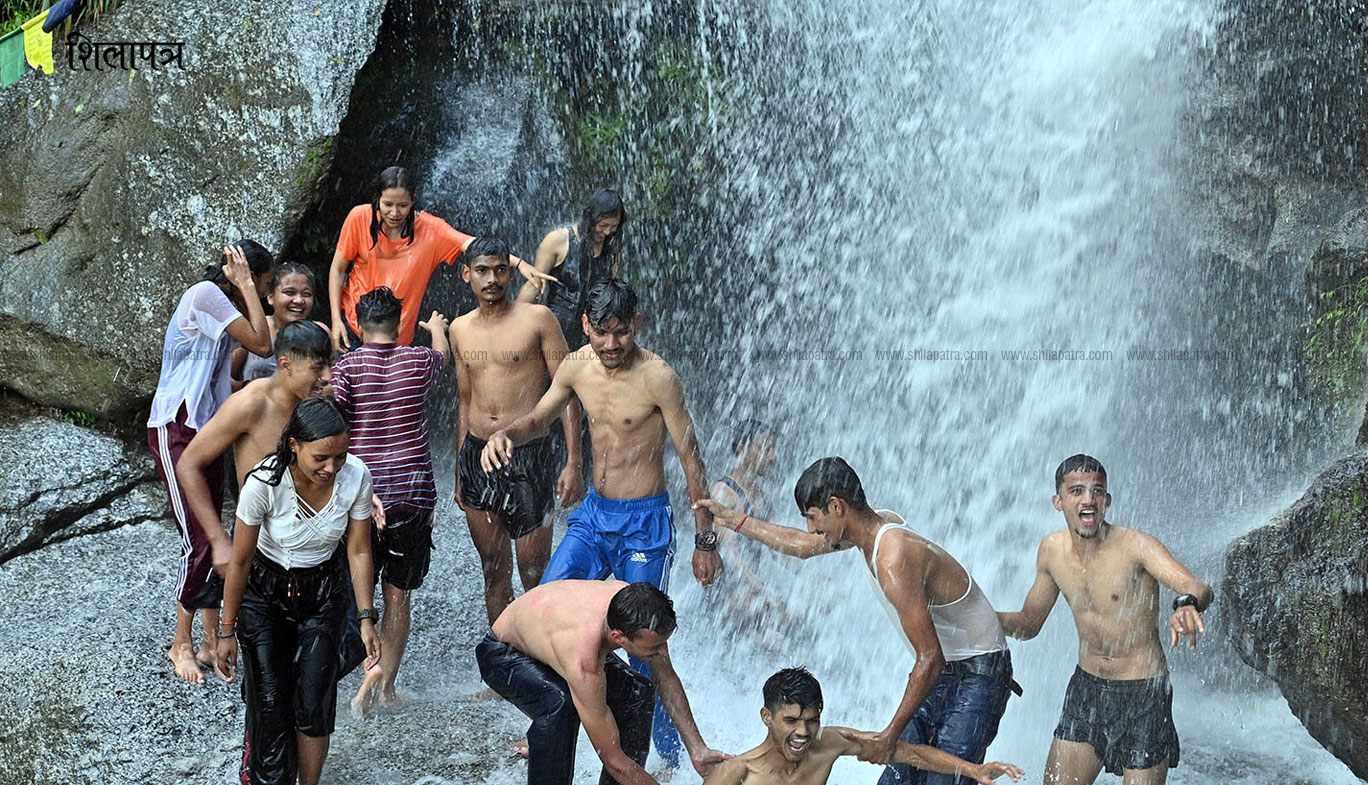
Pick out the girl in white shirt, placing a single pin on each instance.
(285, 601)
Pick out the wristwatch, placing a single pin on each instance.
(368, 613)
(705, 541)
(1184, 599)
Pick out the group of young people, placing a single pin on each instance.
(327, 428)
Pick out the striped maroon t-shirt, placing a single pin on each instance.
(383, 388)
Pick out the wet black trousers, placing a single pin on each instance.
(543, 695)
(290, 627)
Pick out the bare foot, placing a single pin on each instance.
(206, 656)
(391, 697)
(487, 694)
(187, 666)
(364, 701)
(521, 749)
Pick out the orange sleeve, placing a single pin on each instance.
(447, 243)
(355, 237)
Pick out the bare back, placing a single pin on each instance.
(502, 363)
(560, 624)
(626, 422)
(1115, 603)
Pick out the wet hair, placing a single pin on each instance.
(259, 260)
(393, 177)
(313, 419)
(610, 299)
(286, 269)
(641, 606)
(304, 340)
(487, 245)
(1078, 463)
(603, 204)
(793, 687)
(826, 478)
(379, 310)
(746, 432)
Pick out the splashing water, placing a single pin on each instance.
(949, 242)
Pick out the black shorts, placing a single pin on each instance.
(521, 493)
(402, 551)
(1128, 723)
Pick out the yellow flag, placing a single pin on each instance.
(37, 44)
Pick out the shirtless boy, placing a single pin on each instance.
(633, 399)
(957, 691)
(506, 354)
(551, 654)
(1118, 709)
(796, 751)
(250, 422)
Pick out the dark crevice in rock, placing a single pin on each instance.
(58, 526)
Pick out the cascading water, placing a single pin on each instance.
(949, 242)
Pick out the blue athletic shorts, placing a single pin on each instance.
(631, 539)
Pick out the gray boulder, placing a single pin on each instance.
(120, 186)
(1296, 605)
(66, 480)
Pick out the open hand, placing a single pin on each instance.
(498, 451)
(706, 759)
(436, 323)
(985, 773)
(378, 512)
(874, 747)
(236, 270)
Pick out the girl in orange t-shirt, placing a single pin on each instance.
(388, 243)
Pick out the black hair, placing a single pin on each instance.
(608, 299)
(603, 204)
(259, 260)
(826, 478)
(486, 245)
(641, 606)
(1078, 463)
(305, 340)
(286, 269)
(393, 177)
(379, 310)
(793, 687)
(313, 419)
(746, 431)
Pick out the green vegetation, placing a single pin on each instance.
(14, 13)
(76, 417)
(1337, 339)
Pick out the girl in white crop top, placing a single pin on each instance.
(286, 594)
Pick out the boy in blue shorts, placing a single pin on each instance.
(625, 527)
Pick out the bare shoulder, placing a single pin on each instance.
(537, 314)
(657, 374)
(1136, 542)
(735, 770)
(557, 241)
(901, 548)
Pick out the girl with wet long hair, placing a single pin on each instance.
(390, 242)
(578, 256)
(286, 598)
(220, 312)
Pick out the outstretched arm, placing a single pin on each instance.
(499, 450)
(1157, 561)
(1026, 623)
(785, 539)
(676, 704)
(928, 758)
(549, 254)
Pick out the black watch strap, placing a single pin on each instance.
(1185, 599)
(705, 541)
(368, 613)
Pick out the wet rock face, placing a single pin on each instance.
(1296, 602)
(65, 481)
(119, 186)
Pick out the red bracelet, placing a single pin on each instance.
(740, 523)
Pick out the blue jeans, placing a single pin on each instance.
(960, 716)
(633, 540)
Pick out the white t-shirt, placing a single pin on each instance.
(293, 534)
(196, 357)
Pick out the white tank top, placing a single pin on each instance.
(966, 627)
